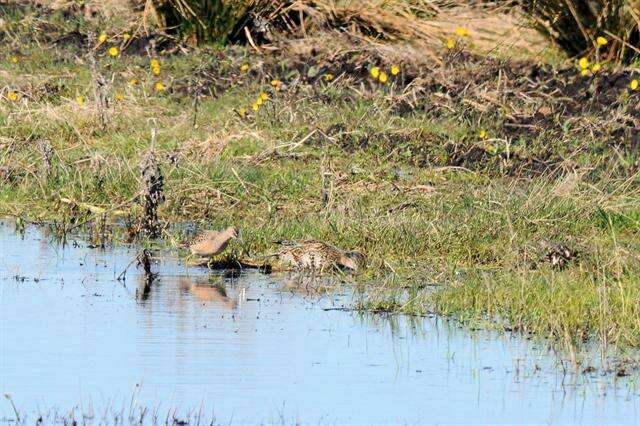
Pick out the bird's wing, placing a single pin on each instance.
(203, 236)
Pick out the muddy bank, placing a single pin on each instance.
(542, 113)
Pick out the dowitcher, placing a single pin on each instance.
(319, 256)
(211, 243)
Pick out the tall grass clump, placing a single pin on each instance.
(575, 25)
(212, 21)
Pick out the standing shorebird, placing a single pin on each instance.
(320, 256)
(211, 243)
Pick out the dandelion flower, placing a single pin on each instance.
(119, 97)
(634, 84)
(14, 59)
(584, 63)
(12, 96)
(451, 43)
(584, 72)
(102, 37)
(113, 51)
(328, 77)
(602, 41)
(383, 77)
(375, 72)
(80, 100)
(245, 67)
(259, 101)
(596, 67)
(159, 86)
(154, 65)
(276, 83)
(482, 134)
(264, 96)
(255, 106)
(462, 32)
(242, 111)
(134, 82)
(395, 70)
(126, 36)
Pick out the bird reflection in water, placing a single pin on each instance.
(206, 291)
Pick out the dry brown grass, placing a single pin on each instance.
(107, 8)
(426, 24)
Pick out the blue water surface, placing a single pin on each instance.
(259, 349)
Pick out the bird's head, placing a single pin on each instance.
(353, 260)
(233, 232)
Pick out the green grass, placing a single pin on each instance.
(463, 241)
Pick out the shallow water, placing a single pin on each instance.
(266, 352)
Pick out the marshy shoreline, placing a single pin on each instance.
(507, 185)
(214, 347)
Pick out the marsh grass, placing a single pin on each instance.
(449, 222)
(213, 20)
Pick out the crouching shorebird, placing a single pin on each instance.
(320, 256)
(211, 243)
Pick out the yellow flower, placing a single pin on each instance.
(12, 96)
(154, 65)
(264, 96)
(113, 51)
(451, 43)
(119, 97)
(126, 36)
(375, 72)
(102, 37)
(491, 149)
(14, 59)
(134, 82)
(584, 72)
(596, 67)
(328, 77)
(584, 63)
(602, 41)
(259, 101)
(242, 111)
(159, 86)
(462, 32)
(245, 67)
(395, 70)
(383, 77)
(482, 134)
(80, 100)
(276, 83)
(634, 84)
(255, 106)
